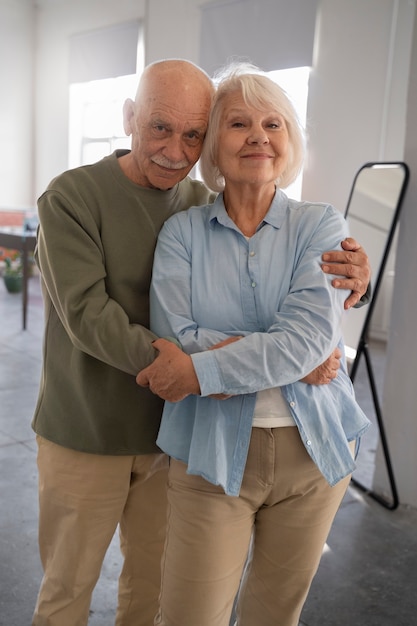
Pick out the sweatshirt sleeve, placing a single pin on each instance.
(71, 258)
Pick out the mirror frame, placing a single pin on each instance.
(362, 347)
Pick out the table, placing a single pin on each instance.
(25, 242)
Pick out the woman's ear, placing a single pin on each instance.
(128, 116)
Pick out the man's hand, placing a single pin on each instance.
(326, 372)
(171, 376)
(352, 267)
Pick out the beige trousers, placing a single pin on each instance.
(287, 504)
(83, 498)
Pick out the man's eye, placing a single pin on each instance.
(193, 138)
(159, 129)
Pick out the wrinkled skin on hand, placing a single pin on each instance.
(326, 372)
(172, 376)
(352, 268)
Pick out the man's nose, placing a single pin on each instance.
(174, 149)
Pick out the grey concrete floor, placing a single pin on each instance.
(368, 573)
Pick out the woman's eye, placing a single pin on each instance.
(275, 124)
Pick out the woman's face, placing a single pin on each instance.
(252, 143)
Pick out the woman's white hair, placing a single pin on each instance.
(260, 92)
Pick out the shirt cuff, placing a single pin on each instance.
(208, 372)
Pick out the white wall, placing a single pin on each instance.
(357, 112)
(357, 106)
(399, 398)
(16, 103)
(362, 107)
(357, 93)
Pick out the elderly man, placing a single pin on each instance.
(99, 466)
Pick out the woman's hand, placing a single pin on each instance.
(326, 372)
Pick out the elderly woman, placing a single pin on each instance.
(257, 452)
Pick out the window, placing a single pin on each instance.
(101, 66)
(295, 83)
(96, 118)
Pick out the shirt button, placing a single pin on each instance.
(308, 442)
(253, 284)
(292, 404)
(252, 253)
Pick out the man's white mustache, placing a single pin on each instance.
(172, 165)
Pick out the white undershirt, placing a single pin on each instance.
(272, 410)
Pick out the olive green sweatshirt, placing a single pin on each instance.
(95, 248)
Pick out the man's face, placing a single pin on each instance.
(168, 124)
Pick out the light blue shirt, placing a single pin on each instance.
(209, 283)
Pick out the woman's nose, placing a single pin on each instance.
(258, 135)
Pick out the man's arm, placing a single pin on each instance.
(351, 266)
(172, 375)
(71, 258)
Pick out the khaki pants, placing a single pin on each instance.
(83, 498)
(290, 507)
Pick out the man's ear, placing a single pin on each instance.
(128, 116)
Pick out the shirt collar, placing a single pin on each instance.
(274, 217)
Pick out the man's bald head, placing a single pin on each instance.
(168, 122)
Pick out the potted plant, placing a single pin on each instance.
(13, 273)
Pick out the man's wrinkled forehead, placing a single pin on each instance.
(172, 115)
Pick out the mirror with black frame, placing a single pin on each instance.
(372, 212)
